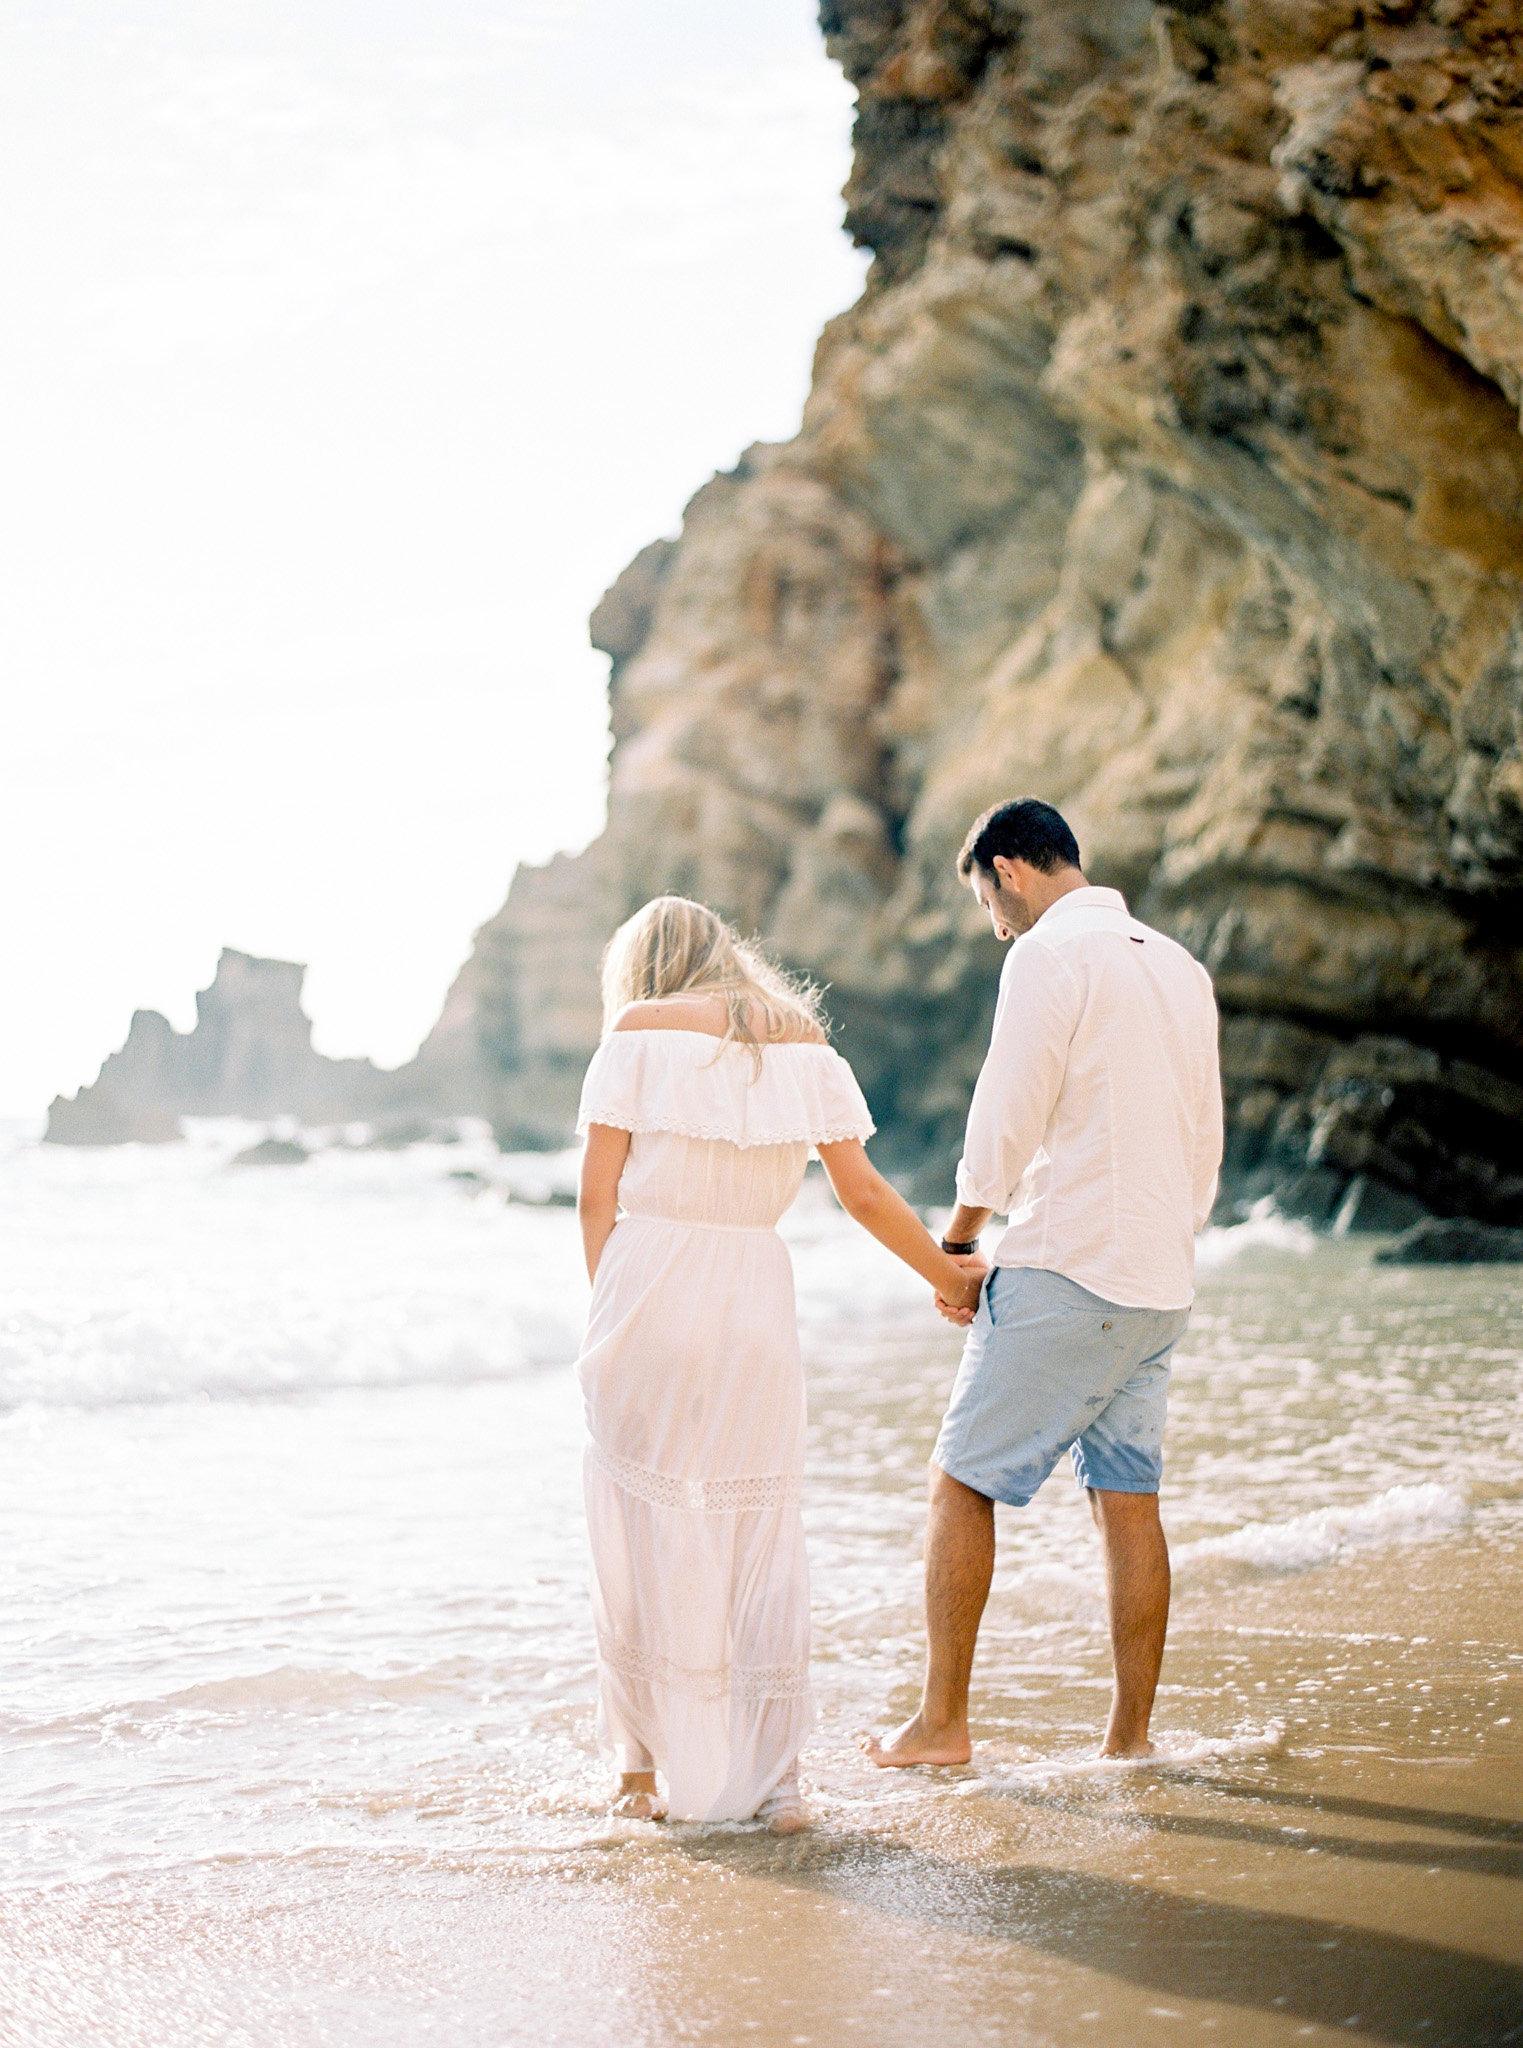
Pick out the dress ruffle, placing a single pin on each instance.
(695, 1086)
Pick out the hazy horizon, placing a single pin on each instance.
(357, 352)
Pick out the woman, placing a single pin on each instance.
(711, 1084)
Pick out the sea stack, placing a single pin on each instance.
(250, 1054)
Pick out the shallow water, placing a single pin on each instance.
(295, 1663)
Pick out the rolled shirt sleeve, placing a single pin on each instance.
(1018, 1087)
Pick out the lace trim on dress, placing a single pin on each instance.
(736, 1496)
(718, 1682)
(639, 1120)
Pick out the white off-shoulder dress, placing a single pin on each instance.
(695, 1411)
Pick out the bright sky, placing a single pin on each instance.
(352, 347)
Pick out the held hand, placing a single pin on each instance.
(963, 1306)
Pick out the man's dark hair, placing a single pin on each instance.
(1023, 829)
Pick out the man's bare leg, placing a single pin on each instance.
(1137, 1596)
(959, 1564)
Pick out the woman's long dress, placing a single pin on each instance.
(695, 1409)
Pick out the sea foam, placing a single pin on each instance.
(1402, 1514)
(1180, 1750)
(1262, 1229)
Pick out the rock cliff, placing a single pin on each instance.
(250, 1054)
(1168, 468)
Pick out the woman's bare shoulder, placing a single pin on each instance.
(706, 1014)
(710, 1016)
(805, 1032)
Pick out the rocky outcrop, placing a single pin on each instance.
(1454, 1242)
(272, 1152)
(522, 1019)
(250, 1054)
(1169, 468)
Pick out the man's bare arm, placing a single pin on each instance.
(964, 1228)
(967, 1225)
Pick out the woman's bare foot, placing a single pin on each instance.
(1134, 1754)
(638, 1806)
(915, 1743)
(638, 1798)
(783, 1810)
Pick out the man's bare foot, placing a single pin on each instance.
(914, 1743)
(1134, 1754)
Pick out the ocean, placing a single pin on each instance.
(296, 1680)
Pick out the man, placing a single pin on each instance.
(1096, 1127)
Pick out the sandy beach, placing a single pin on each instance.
(297, 1697)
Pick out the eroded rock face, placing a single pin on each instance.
(1169, 469)
(250, 1054)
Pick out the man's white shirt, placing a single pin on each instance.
(1096, 1124)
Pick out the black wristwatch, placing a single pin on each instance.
(958, 1251)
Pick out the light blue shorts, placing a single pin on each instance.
(1049, 1367)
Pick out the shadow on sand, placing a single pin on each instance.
(1493, 1858)
(1389, 1986)
(1487, 1828)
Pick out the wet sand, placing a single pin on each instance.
(296, 1712)
(1301, 1896)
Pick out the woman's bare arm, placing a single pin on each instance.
(865, 1195)
(695, 1011)
(597, 1194)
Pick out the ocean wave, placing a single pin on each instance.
(1402, 1514)
(285, 1689)
(166, 1277)
(1262, 1229)
(130, 1360)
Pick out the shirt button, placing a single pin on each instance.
(1105, 1326)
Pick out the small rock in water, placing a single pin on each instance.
(1454, 1241)
(271, 1152)
(395, 1134)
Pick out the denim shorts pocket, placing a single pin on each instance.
(1093, 1314)
(996, 1280)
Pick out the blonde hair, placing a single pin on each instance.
(676, 947)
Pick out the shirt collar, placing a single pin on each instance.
(1087, 898)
